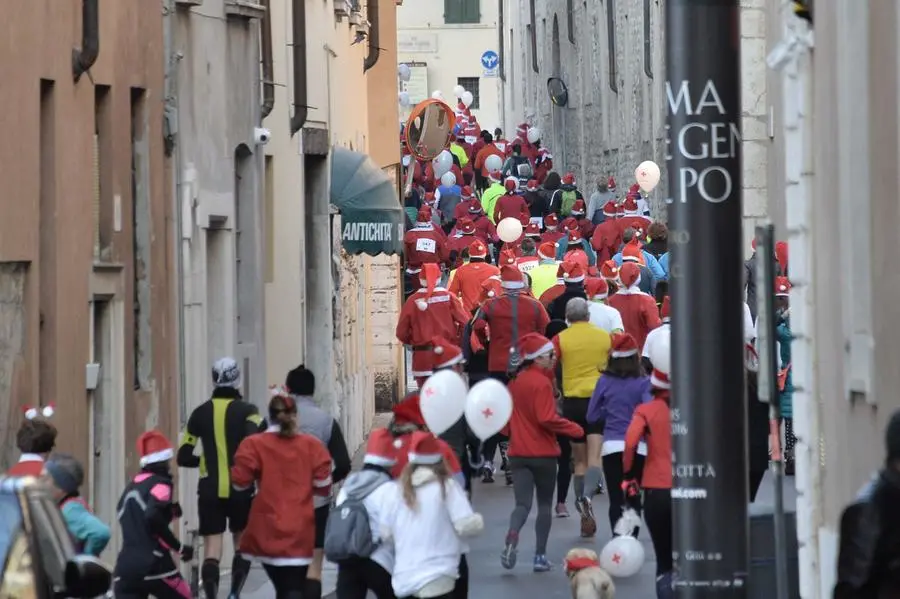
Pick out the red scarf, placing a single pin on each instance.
(580, 563)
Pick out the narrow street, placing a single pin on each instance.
(490, 581)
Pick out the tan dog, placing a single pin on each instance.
(588, 579)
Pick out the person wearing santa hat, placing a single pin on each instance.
(428, 312)
(459, 241)
(547, 297)
(407, 419)
(35, 439)
(643, 207)
(607, 236)
(427, 518)
(599, 199)
(529, 260)
(552, 233)
(564, 198)
(783, 336)
(584, 224)
(482, 173)
(633, 218)
(424, 243)
(219, 425)
(511, 204)
(602, 315)
(467, 199)
(537, 203)
(621, 389)
(474, 350)
(651, 425)
(543, 163)
(146, 510)
(575, 247)
(639, 312)
(494, 191)
(543, 275)
(632, 252)
(283, 545)
(370, 573)
(484, 228)
(466, 283)
(609, 271)
(573, 281)
(660, 335)
(533, 449)
(632, 239)
(582, 350)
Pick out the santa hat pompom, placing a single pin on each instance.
(31, 413)
(491, 294)
(48, 411)
(439, 350)
(398, 443)
(422, 305)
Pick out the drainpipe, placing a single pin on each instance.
(300, 99)
(268, 77)
(374, 50)
(84, 58)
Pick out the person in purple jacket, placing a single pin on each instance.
(619, 391)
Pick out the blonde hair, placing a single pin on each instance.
(441, 471)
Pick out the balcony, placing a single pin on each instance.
(244, 9)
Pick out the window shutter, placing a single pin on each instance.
(472, 10)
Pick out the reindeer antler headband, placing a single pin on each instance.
(32, 412)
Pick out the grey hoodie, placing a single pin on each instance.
(359, 484)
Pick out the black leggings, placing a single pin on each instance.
(461, 590)
(612, 471)
(289, 581)
(358, 577)
(173, 587)
(658, 516)
(564, 468)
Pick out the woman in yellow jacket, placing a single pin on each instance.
(583, 351)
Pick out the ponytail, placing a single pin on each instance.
(283, 412)
(287, 424)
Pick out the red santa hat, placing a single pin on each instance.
(574, 273)
(532, 185)
(424, 449)
(511, 277)
(547, 251)
(429, 277)
(634, 189)
(491, 287)
(532, 230)
(574, 236)
(632, 251)
(424, 216)
(753, 243)
(380, 450)
(465, 226)
(568, 179)
(596, 288)
(781, 254)
(609, 208)
(551, 221)
(629, 274)
(495, 176)
(429, 199)
(475, 208)
(782, 287)
(477, 249)
(511, 184)
(620, 210)
(560, 273)
(611, 183)
(609, 270)
(660, 379)
(578, 207)
(522, 130)
(630, 205)
(408, 411)
(507, 257)
(445, 353)
(534, 345)
(153, 447)
(623, 346)
(665, 309)
(466, 193)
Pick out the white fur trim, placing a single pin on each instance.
(30, 457)
(544, 349)
(666, 319)
(320, 484)
(470, 525)
(451, 362)
(421, 373)
(422, 305)
(278, 561)
(659, 383)
(157, 457)
(624, 354)
(512, 284)
(631, 259)
(600, 296)
(413, 271)
(574, 280)
(426, 459)
(378, 460)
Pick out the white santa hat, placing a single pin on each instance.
(429, 277)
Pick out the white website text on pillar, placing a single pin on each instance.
(702, 141)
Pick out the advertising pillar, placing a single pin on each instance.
(709, 415)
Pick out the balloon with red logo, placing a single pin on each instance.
(488, 408)
(622, 556)
(442, 400)
(647, 175)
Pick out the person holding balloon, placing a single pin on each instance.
(533, 448)
(483, 164)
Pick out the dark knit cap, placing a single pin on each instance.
(66, 472)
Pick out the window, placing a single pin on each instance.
(648, 49)
(532, 37)
(611, 39)
(570, 20)
(471, 84)
(462, 11)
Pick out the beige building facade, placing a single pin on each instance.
(839, 124)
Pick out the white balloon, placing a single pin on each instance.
(622, 557)
(458, 91)
(404, 72)
(443, 400)
(493, 163)
(647, 175)
(442, 163)
(468, 98)
(509, 229)
(488, 408)
(534, 135)
(448, 179)
(403, 97)
(661, 354)
(437, 95)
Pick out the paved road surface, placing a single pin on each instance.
(490, 581)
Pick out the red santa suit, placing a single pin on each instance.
(466, 200)
(461, 239)
(639, 312)
(468, 280)
(607, 236)
(543, 164)
(557, 290)
(577, 255)
(585, 226)
(484, 228)
(526, 263)
(424, 244)
(632, 219)
(521, 138)
(551, 234)
(511, 204)
(428, 312)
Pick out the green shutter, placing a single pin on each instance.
(472, 11)
(462, 11)
(452, 11)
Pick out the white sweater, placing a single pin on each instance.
(427, 540)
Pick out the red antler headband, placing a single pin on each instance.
(32, 412)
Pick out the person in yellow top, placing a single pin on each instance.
(583, 351)
(458, 151)
(543, 276)
(495, 191)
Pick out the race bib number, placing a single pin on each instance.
(423, 244)
(527, 266)
(471, 139)
(537, 220)
(501, 147)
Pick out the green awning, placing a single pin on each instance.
(371, 213)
